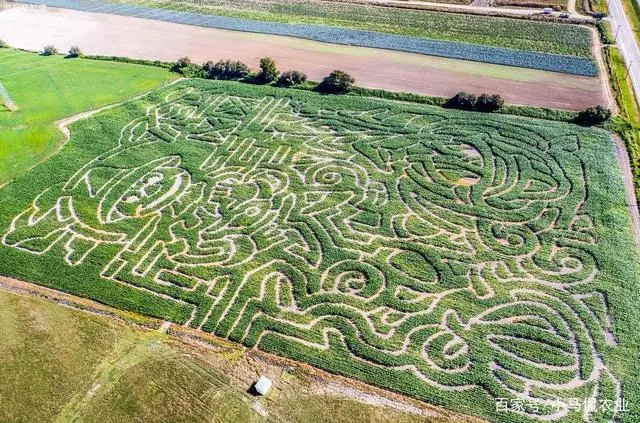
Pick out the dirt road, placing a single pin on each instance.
(395, 71)
(625, 167)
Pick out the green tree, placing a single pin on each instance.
(268, 70)
(462, 101)
(74, 52)
(226, 69)
(49, 50)
(291, 78)
(593, 115)
(489, 103)
(338, 82)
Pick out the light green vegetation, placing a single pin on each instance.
(632, 11)
(455, 257)
(536, 4)
(501, 32)
(47, 89)
(598, 6)
(627, 123)
(621, 85)
(62, 365)
(606, 32)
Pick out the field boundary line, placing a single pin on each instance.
(625, 167)
(7, 100)
(63, 124)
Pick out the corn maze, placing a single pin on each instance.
(436, 253)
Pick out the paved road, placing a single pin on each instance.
(626, 41)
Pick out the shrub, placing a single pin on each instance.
(489, 103)
(3, 44)
(49, 50)
(226, 69)
(462, 101)
(75, 52)
(604, 29)
(593, 115)
(268, 70)
(183, 62)
(291, 78)
(186, 68)
(338, 82)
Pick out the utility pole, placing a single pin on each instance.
(615, 38)
(626, 75)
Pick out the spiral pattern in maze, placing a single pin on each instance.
(453, 249)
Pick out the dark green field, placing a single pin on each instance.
(455, 257)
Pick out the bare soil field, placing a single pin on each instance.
(102, 34)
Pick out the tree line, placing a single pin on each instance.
(337, 82)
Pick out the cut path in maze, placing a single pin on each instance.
(449, 252)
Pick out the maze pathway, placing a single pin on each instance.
(430, 253)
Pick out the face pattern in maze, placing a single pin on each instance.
(456, 250)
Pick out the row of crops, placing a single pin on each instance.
(500, 32)
(572, 64)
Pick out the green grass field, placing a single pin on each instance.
(62, 365)
(47, 89)
(502, 32)
(460, 258)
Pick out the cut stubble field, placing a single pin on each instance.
(384, 69)
(106, 371)
(454, 257)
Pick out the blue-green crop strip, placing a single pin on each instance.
(451, 49)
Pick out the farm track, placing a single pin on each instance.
(477, 7)
(7, 101)
(383, 69)
(608, 97)
(623, 161)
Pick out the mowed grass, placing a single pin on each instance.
(60, 364)
(47, 89)
(47, 353)
(621, 85)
